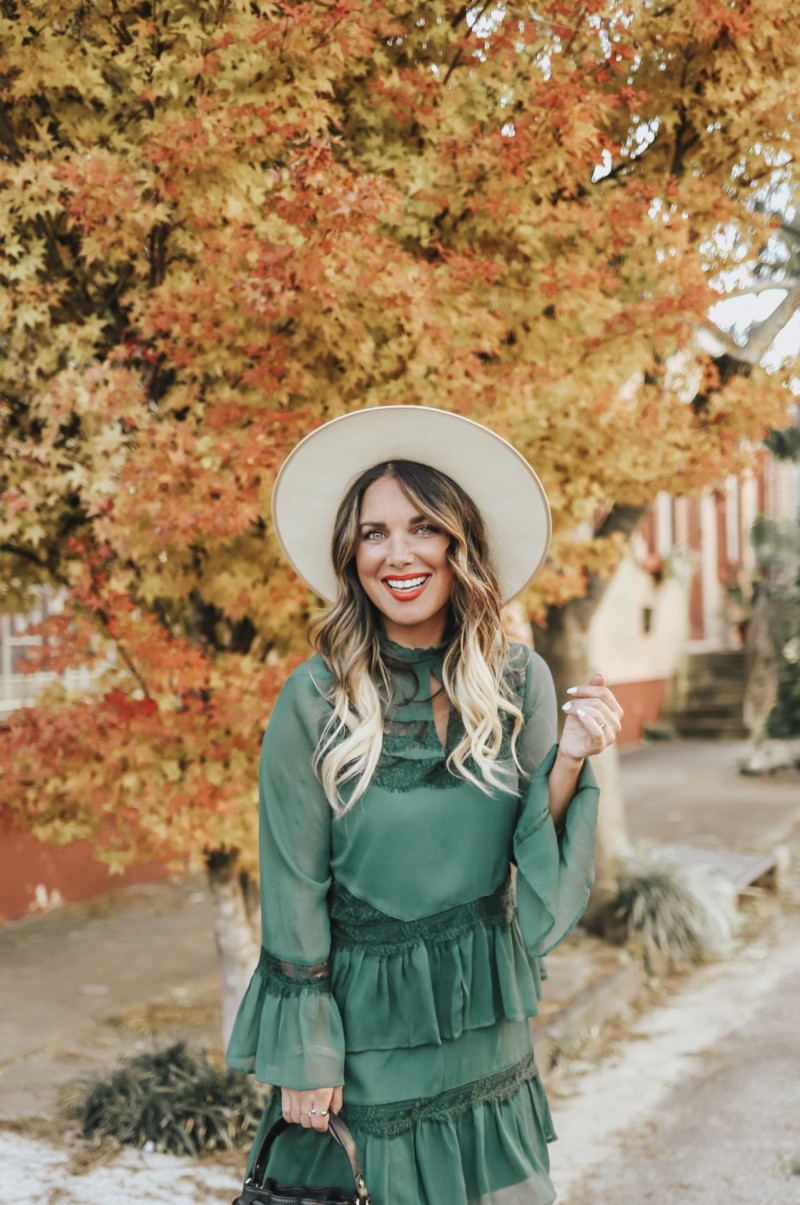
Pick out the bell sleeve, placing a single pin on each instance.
(288, 1030)
(555, 871)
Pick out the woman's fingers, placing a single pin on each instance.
(597, 691)
(597, 711)
(593, 721)
(286, 1104)
(317, 1109)
(600, 693)
(589, 735)
(310, 1109)
(608, 719)
(601, 729)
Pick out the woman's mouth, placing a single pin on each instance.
(405, 588)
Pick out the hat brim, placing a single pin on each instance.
(316, 475)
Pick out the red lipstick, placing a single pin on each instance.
(406, 594)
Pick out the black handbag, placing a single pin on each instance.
(270, 1193)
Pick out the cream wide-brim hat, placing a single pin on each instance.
(316, 475)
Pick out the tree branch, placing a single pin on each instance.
(27, 555)
(761, 336)
(789, 228)
(459, 54)
(761, 286)
(457, 57)
(713, 341)
(620, 519)
(576, 29)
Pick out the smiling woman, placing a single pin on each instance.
(402, 559)
(405, 766)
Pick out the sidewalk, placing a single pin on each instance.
(686, 794)
(85, 984)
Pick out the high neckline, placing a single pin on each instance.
(414, 656)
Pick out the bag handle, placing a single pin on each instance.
(337, 1130)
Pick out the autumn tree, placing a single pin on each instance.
(224, 222)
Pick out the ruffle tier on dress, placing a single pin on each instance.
(482, 1144)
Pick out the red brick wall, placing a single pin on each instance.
(642, 703)
(69, 869)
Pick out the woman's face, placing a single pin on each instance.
(403, 567)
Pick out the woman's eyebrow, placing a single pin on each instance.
(380, 523)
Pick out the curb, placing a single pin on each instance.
(607, 998)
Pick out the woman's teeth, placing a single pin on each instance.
(413, 583)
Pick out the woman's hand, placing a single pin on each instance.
(594, 719)
(311, 1108)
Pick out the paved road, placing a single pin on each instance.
(66, 973)
(692, 790)
(702, 1104)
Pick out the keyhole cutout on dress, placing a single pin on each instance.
(441, 709)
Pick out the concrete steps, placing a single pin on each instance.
(707, 696)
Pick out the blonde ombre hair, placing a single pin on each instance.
(348, 635)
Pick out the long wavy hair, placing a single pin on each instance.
(348, 637)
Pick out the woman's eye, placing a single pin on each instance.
(428, 529)
(373, 536)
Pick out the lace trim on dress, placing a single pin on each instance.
(355, 923)
(400, 774)
(412, 755)
(389, 1120)
(291, 978)
(421, 733)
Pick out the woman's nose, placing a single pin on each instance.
(398, 552)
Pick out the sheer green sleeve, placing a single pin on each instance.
(555, 871)
(288, 1030)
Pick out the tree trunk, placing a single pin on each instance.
(564, 644)
(612, 843)
(237, 945)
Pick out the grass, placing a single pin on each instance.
(196, 1007)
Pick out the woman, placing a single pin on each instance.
(405, 766)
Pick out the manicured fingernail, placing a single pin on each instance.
(581, 713)
(572, 690)
(565, 706)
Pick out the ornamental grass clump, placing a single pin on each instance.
(677, 915)
(173, 1100)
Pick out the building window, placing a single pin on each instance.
(15, 639)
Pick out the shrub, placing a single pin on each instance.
(678, 915)
(173, 1099)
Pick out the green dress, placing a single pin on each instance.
(398, 959)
